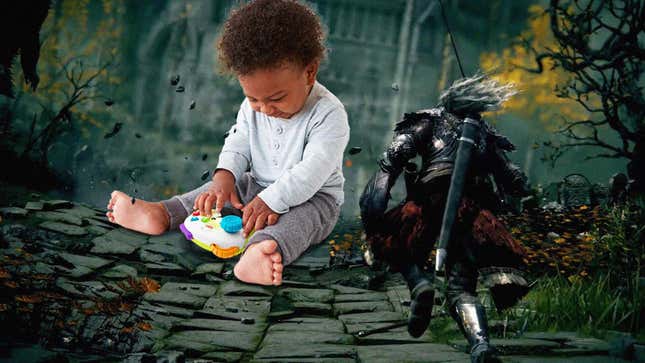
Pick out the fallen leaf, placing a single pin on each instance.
(4, 274)
(30, 299)
(115, 130)
(144, 326)
(355, 150)
(150, 285)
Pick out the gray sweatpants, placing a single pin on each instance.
(302, 226)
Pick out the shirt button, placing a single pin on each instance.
(276, 146)
(275, 162)
(279, 130)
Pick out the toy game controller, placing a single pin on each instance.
(220, 235)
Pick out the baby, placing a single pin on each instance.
(290, 133)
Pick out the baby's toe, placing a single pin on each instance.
(277, 278)
(277, 267)
(110, 216)
(276, 257)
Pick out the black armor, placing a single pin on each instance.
(433, 135)
(403, 236)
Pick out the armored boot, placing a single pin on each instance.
(471, 318)
(421, 299)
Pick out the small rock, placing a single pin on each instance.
(103, 245)
(553, 207)
(61, 217)
(165, 268)
(86, 261)
(67, 229)
(208, 268)
(552, 236)
(121, 272)
(13, 212)
(247, 321)
(57, 204)
(175, 298)
(34, 206)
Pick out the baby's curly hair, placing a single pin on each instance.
(263, 34)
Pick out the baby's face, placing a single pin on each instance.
(279, 92)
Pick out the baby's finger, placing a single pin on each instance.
(235, 200)
(202, 200)
(248, 227)
(208, 203)
(246, 213)
(273, 219)
(199, 201)
(260, 222)
(221, 199)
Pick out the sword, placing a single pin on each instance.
(469, 131)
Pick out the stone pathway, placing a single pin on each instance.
(74, 285)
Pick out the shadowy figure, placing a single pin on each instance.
(20, 23)
(480, 246)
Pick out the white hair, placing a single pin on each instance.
(476, 94)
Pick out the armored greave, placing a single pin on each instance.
(468, 311)
(413, 275)
(471, 318)
(422, 298)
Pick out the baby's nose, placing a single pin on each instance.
(266, 109)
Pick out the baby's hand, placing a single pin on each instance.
(221, 191)
(256, 215)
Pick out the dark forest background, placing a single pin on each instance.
(109, 112)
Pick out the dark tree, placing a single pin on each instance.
(20, 23)
(597, 43)
(54, 122)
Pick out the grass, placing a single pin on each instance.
(587, 306)
(602, 291)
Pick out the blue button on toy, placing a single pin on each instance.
(231, 224)
(194, 219)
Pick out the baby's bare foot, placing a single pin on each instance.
(260, 264)
(140, 216)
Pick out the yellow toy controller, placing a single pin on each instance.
(220, 235)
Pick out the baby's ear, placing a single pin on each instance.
(311, 71)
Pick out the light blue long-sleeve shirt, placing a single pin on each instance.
(292, 158)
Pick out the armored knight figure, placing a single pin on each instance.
(480, 245)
